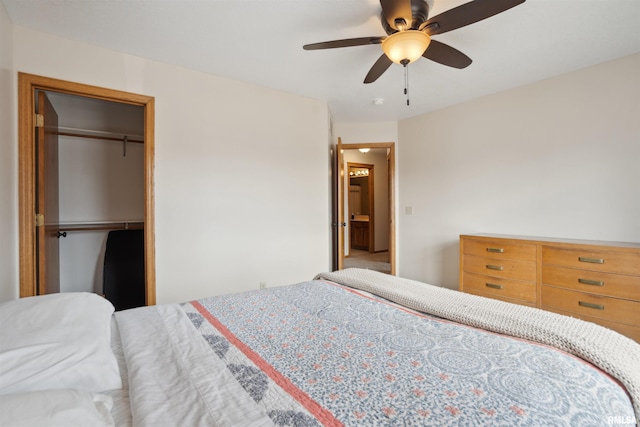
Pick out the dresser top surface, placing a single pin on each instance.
(557, 240)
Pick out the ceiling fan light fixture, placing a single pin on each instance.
(406, 46)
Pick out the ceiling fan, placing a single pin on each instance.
(409, 32)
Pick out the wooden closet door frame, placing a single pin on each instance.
(27, 86)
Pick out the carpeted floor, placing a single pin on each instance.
(362, 259)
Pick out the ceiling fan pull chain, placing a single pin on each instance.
(406, 82)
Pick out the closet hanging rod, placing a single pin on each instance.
(101, 225)
(84, 131)
(108, 138)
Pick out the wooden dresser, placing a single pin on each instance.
(591, 280)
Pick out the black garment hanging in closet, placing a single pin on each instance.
(124, 273)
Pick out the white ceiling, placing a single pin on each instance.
(260, 41)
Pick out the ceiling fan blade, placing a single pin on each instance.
(467, 14)
(361, 41)
(446, 55)
(394, 10)
(378, 68)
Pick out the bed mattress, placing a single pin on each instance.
(322, 353)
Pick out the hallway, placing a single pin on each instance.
(378, 261)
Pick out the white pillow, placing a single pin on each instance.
(57, 341)
(56, 408)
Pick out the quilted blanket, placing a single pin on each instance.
(321, 353)
(612, 352)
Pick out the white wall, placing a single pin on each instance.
(240, 172)
(8, 163)
(363, 132)
(558, 158)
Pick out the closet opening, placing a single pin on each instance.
(86, 191)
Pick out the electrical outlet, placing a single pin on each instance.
(263, 285)
(408, 210)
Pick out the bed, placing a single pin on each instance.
(353, 347)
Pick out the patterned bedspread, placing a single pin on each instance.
(318, 353)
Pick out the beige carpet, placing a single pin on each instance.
(362, 259)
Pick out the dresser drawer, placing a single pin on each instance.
(601, 307)
(500, 250)
(594, 282)
(496, 287)
(507, 269)
(613, 262)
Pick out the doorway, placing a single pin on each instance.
(39, 236)
(380, 252)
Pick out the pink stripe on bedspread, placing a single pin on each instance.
(323, 415)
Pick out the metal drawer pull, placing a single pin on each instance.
(591, 260)
(497, 250)
(588, 304)
(591, 282)
(491, 285)
(495, 267)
